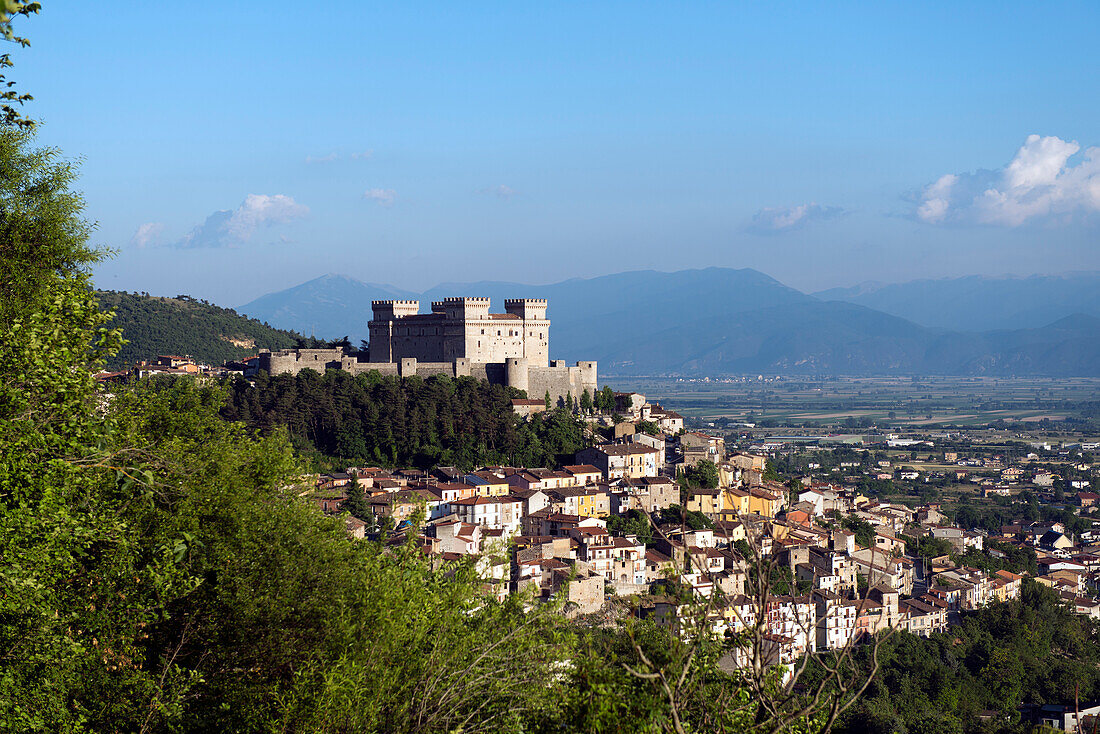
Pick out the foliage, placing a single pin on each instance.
(355, 503)
(864, 531)
(634, 522)
(79, 586)
(185, 326)
(704, 474)
(586, 403)
(930, 547)
(10, 115)
(396, 421)
(676, 515)
(604, 400)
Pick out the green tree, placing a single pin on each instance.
(704, 474)
(81, 585)
(586, 401)
(355, 502)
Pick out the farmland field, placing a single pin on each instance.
(917, 403)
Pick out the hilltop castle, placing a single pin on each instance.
(460, 337)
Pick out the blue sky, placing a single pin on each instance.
(235, 149)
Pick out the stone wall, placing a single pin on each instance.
(560, 380)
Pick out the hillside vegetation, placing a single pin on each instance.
(401, 422)
(152, 325)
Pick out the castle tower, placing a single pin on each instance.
(381, 326)
(536, 328)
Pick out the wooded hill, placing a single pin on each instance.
(152, 325)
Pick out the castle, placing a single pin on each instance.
(460, 337)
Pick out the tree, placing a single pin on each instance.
(704, 474)
(356, 501)
(546, 399)
(586, 401)
(80, 585)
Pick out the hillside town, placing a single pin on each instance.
(633, 523)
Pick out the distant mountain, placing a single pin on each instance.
(978, 303)
(721, 320)
(153, 326)
(328, 307)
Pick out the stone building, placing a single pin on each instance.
(459, 338)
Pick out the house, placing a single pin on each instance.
(766, 503)
(886, 542)
(591, 501)
(487, 483)
(356, 528)
(698, 447)
(959, 539)
(667, 421)
(922, 618)
(629, 403)
(458, 537)
(619, 460)
(499, 513)
(583, 474)
(527, 408)
(556, 524)
(1054, 540)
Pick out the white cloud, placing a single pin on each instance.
(229, 228)
(501, 191)
(362, 156)
(384, 197)
(771, 220)
(146, 234)
(1038, 185)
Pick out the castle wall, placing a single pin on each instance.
(561, 381)
(293, 361)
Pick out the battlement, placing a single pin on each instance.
(386, 310)
(528, 309)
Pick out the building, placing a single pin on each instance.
(458, 338)
(622, 460)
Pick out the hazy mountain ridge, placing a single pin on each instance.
(721, 320)
(980, 303)
(329, 307)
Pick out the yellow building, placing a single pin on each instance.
(488, 484)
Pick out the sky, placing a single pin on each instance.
(234, 149)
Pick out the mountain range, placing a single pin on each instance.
(728, 321)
